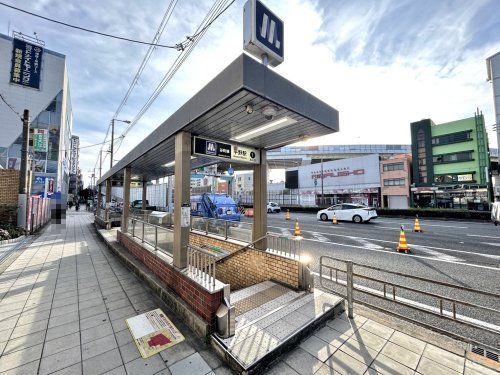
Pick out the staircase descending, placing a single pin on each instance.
(270, 320)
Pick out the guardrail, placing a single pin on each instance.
(201, 266)
(159, 237)
(284, 245)
(390, 291)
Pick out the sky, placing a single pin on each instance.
(381, 63)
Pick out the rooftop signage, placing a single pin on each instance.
(263, 33)
(26, 64)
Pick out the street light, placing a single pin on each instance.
(113, 139)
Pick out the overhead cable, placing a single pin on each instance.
(11, 108)
(217, 9)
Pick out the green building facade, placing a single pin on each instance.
(450, 164)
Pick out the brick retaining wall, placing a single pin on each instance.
(204, 303)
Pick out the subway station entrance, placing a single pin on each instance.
(250, 290)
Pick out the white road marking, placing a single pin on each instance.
(407, 301)
(491, 244)
(478, 235)
(426, 224)
(394, 242)
(437, 254)
(319, 237)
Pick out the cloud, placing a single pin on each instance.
(381, 63)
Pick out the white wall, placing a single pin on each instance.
(52, 81)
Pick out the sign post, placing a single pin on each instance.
(226, 151)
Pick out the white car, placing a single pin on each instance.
(348, 212)
(273, 207)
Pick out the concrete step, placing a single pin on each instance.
(270, 320)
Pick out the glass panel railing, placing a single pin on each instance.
(198, 223)
(217, 227)
(150, 234)
(239, 231)
(166, 241)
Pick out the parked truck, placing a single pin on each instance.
(216, 206)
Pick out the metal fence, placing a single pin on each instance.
(201, 266)
(284, 245)
(162, 239)
(415, 293)
(39, 212)
(235, 230)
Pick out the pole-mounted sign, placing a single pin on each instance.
(263, 33)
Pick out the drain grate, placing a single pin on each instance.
(485, 353)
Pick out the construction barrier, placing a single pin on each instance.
(416, 227)
(334, 220)
(402, 245)
(296, 230)
(287, 215)
(249, 212)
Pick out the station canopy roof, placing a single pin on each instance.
(219, 112)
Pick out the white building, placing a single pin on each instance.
(35, 78)
(493, 68)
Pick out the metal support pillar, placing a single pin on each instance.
(99, 200)
(182, 197)
(126, 198)
(144, 193)
(108, 201)
(260, 202)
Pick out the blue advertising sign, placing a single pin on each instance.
(39, 180)
(26, 64)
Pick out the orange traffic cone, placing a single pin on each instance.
(287, 216)
(416, 227)
(334, 220)
(296, 230)
(402, 245)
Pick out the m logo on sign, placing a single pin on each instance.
(268, 29)
(211, 148)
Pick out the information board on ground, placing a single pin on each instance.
(153, 332)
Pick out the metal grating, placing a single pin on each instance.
(485, 353)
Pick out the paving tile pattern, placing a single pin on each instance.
(63, 305)
(363, 346)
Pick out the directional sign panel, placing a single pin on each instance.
(222, 150)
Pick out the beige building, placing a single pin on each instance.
(395, 181)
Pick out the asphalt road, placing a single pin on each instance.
(462, 253)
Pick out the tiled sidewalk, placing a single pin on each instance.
(63, 305)
(363, 346)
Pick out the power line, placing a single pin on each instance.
(177, 46)
(93, 145)
(145, 60)
(211, 16)
(11, 108)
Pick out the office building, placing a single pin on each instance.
(451, 164)
(395, 178)
(35, 78)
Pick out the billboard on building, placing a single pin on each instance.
(26, 64)
(73, 164)
(353, 173)
(40, 140)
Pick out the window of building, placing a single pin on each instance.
(394, 182)
(452, 138)
(393, 167)
(453, 158)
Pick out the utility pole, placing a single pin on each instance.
(22, 217)
(100, 164)
(23, 176)
(322, 190)
(112, 143)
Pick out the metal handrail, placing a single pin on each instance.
(144, 224)
(201, 265)
(284, 245)
(454, 302)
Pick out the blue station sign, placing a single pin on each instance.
(263, 32)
